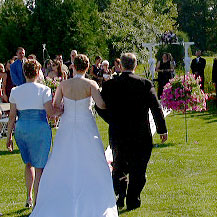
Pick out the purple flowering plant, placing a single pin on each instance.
(183, 93)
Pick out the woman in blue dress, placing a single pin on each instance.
(31, 102)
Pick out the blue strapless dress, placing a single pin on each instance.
(33, 136)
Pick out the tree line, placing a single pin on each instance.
(93, 27)
(100, 27)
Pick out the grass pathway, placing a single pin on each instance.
(181, 178)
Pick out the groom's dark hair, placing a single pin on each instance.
(128, 61)
(81, 62)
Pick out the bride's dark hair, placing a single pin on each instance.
(81, 62)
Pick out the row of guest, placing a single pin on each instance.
(6, 82)
(100, 71)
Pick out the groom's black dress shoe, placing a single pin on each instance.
(120, 203)
(133, 204)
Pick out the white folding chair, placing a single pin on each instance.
(4, 107)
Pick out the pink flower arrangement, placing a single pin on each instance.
(52, 84)
(183, 93)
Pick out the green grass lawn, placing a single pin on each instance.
(181, 178)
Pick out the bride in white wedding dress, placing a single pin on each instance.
(76, 181)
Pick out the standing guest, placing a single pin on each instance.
(3, 78)
(95, 69)
(65, 69)
(70, 63)
(34, 142)
(116, 69)
(105, 71)
(32, 57)
(41, 75)
(164, 69)
(9, 83)
(47, 67)
(173, 64)
(198, 65)
(57, 71)
(17, 75)
(214, 75)
(14, 58)
(128, 99)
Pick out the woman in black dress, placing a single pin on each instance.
(164, 69)
(95, 70)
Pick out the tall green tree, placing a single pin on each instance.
(13, 23)
(199, 20)
(192, 19)
(127, 24)
(65, 25)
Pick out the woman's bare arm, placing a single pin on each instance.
(11, 122)
(96, 95)
(57, 102)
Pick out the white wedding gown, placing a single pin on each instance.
(76, 181)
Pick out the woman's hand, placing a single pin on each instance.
(5, 98)
(9, 145)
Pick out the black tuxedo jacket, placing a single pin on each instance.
(128, 99)
(198, 67)
(214, 71)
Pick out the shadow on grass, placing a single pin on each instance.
(156, 145)
(19, 213)
(210, 116)
(9, 153)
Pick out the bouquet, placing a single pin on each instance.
(52, 84)
(183, 93)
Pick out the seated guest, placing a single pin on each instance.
(32, 131)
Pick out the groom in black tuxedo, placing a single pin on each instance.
(128, 99)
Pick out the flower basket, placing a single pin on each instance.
(183, 94)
